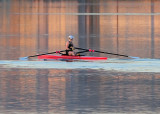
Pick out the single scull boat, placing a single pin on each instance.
(71, 57)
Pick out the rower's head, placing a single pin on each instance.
(70, 37)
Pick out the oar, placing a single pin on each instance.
(26, 58)
(89, 50)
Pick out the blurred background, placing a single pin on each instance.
(130, 27)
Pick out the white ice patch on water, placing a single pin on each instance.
(119, 65)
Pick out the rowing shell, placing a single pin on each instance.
(71, 57)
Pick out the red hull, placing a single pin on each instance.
(71, 57)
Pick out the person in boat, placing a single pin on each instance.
(70, 46)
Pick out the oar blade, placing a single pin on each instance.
(134, 57)
(23, 58)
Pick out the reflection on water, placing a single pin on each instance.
(118, 26)
(78, 91)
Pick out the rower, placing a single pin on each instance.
(70, 46)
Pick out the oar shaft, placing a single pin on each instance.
(111, 53)
(26, 58)
(46, 53)
(102, 52)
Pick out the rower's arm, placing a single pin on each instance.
(67, 44)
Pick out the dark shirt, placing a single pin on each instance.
(70, 48)
(70, 45)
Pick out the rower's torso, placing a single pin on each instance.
(70, 45)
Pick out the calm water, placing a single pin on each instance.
(119, 85)
(78, 91)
